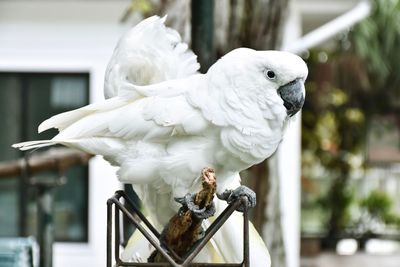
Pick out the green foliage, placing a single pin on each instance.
(344, 93)
(377, 203)
(333, 134)
(376, 41)
(379, 206)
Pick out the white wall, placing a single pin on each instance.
(68, 36)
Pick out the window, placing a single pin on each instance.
(26, 99)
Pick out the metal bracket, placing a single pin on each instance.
(45, 208)
(136, 217)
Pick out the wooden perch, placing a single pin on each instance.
(59, 159)
(184, 228)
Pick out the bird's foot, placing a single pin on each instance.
(242, 191)
(188, 203)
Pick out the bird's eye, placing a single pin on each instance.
(270, 74)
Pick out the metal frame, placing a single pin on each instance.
(136, 217)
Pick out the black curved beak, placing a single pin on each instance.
(293, 96)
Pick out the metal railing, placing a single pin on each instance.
(57, 160)
(136, 217)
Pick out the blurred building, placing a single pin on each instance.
(53, 56)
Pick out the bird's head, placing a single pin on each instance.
(267, 77)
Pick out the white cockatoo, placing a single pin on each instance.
(163, 123)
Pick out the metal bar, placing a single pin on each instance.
(214, 227)
(45, 225)
(215, 264)
(147, 264)
(148, 236)
(109, 232)
(23, 185)
(166, 264)
(246, 242)
(25, 171)
(45, 233)
(122, 194)
(116, 237)
(144, 232)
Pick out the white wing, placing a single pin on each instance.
(149, 53)
(105, 126)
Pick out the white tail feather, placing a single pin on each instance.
(33, 144)
(63, 120)
(60, 121)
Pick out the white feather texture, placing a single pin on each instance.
(149, 53)
(163, 123)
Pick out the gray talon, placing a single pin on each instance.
(225, 195)
(207, 213)
(187, 203)
(232, 195)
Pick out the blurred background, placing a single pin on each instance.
(330, 195)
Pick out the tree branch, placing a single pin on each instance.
(184, 229)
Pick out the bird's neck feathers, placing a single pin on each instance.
(231, 100)
(251, 123)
